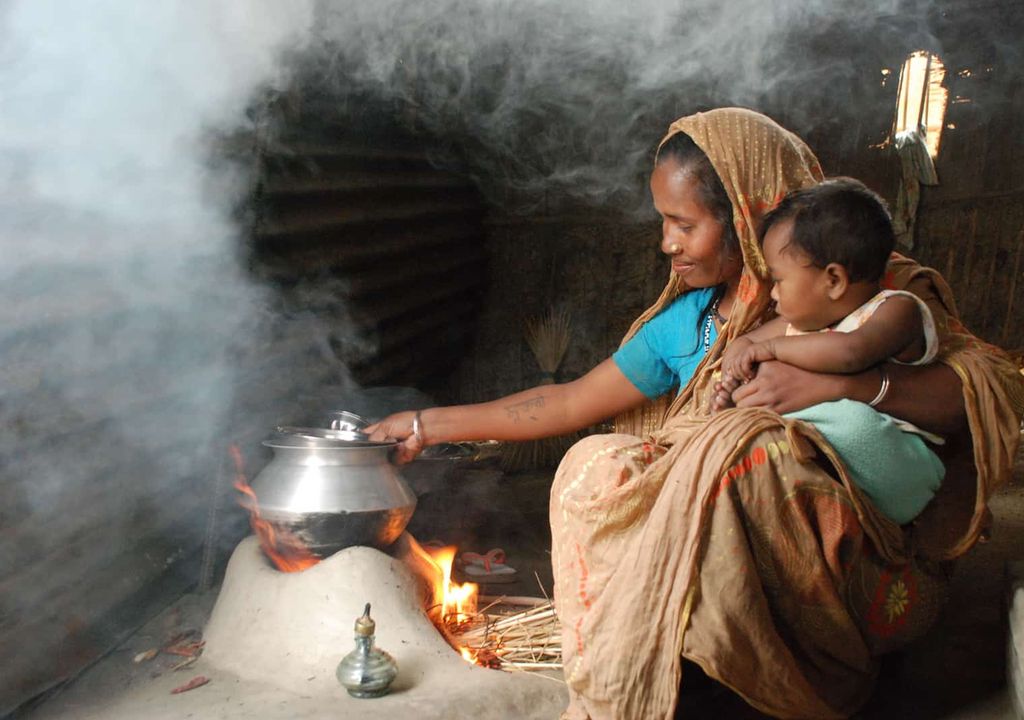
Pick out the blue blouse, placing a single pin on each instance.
(668, 348)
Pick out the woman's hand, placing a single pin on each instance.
(930, 396)
(398, 427)
(784, 388)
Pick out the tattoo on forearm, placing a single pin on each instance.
(526, 408)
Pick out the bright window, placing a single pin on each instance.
(922, 98)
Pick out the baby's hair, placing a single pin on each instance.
(839, 221)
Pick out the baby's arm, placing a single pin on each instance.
(894, 330)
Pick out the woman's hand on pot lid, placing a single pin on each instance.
(398, 427)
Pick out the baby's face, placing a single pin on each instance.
(799, 289)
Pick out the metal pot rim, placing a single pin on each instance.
(322, 438)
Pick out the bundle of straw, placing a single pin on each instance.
(528, 639)
(548, 338)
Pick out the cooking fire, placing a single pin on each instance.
(501, 635)
(290, 630)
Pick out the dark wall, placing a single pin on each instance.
(606, 270)
(600, 270)
(970, 225)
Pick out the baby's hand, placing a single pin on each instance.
(744, 361)
(733, 352)
(723, 393)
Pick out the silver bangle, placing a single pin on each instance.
(417, 427)
(884, 390)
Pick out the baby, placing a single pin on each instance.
(827, 247)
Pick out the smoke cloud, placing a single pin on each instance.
(568, 99)
(122, 286)
(123, 306)
(121, 273)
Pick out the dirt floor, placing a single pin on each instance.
(273, 642)
(958, 671)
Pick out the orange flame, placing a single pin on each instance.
(286, 551)
(454, 604)
(458, 602)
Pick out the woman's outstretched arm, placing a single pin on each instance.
(930, 396)
(542, 411)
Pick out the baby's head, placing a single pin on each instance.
(827, 247)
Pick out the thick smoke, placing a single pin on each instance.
(121, 278)
(122, 302)
(569, 98)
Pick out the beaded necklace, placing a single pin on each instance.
(709, 323)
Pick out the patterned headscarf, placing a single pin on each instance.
(758, 162)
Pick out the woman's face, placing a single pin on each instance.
(690, 233)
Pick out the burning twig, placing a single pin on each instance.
(454, 603)
(197, 681)
(525, 640)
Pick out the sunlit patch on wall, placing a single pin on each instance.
(921, 101)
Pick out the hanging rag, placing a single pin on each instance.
(917, 169)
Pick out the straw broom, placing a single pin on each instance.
(548, 338)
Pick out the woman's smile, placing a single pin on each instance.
(681, 267)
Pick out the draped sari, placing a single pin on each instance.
(739, 541)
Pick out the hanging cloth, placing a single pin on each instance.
(916, 169)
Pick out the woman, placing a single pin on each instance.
(738, 541)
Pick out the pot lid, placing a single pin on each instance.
(326, 438)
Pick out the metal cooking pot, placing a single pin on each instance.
(333, 489)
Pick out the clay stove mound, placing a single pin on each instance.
(290, 630)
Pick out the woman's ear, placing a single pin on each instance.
(837, 280)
